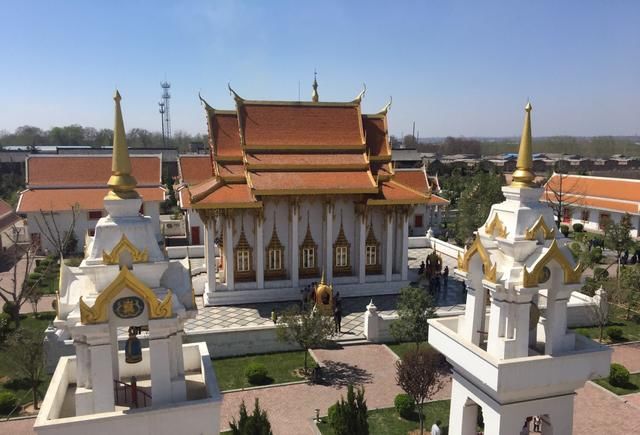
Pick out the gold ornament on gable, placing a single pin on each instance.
(125, 245)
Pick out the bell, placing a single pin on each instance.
(132, 350)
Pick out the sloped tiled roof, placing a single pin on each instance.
(194, 169)
(87, 170)
(8, 217)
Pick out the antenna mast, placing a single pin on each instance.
(164, 112)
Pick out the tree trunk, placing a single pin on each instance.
(421, 417)
(306, 352)
(15, 315)
(34, 390)
(601, 331)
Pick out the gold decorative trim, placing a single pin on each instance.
(125, 245)
(308, 243)
(490, 270)
(540, 225)
(372, 241)
(99, 312)
(571, 275)
(341, 242)
(496, 227)
(243, 245)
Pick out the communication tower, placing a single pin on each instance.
(164, 111)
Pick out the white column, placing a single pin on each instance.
(474, 312)
(210, 260)
(463, 415)
(228, 251)
(556, 326)
(178, 381)
(259, 251)
(159, 355)
(521, 346)
(293, 237)
(495, 340)
(362, 239)
(404, 255)
(328, 268)
(101, 374)
(388, 260)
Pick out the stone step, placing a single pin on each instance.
(352, 341)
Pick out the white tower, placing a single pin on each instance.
(517, 359)
(125, 284)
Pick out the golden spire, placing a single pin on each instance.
(121, 182)
(314, 94)
(523, 176)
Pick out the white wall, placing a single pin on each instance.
(593, 224)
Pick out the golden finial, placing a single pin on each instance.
(122, 183)
(314, 94)
(523, 176)
(322, 279)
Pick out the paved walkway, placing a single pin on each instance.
(291, 408)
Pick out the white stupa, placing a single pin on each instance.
(518, 360)
(126, 284)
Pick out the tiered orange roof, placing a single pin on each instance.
(613, 194)
(56, 183)
(267, 148)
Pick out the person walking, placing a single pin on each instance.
(274, 316)
(435, 428)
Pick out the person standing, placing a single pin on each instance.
(445, 277)
(337, 316)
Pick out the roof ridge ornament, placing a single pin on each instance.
(234, 94)
(122, 183)
(386, 108)
(360, 96)
(523, 176)
(204, 102)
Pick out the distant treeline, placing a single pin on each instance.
(597, 146)
(76, 135)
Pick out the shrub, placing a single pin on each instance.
(615, 333)
(405, 405)
(5, 322)
(578, 227)
(600, 273)
(255, 424)
(331, 413)
(8, 402)
(350, 416)
(564, 229)
(596, 255)
(618, 375)
(8, 307)
(256, 374)
(35, 276)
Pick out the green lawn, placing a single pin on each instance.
(630, 328)
(388, 422)
(632, 387)
(401, 348)
(280, 368)
(7, 380)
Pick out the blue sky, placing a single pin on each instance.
(453, 67)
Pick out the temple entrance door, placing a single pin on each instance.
(195, 235)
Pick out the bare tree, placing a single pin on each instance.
(561, 194)
(19, 288)
(59, 238)
(420, 374)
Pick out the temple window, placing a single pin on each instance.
(275, 252)
(308, 254)
(372, 257)
(243, 252)
(341, 260)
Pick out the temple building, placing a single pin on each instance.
(126, 290)
(295, 188)
(511, 352)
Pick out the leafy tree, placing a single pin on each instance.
(27, 358)
(350, 417)
(480, 193)
(254, 424)
(629, 292)
(306, 328)
(420, 374)
(617, 237)
(415, 308)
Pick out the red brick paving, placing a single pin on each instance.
(628, 355)
(292, 407)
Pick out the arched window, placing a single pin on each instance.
(308, 254)
(275, 252)
(341, 257)
(243, 253)
(372, 262)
